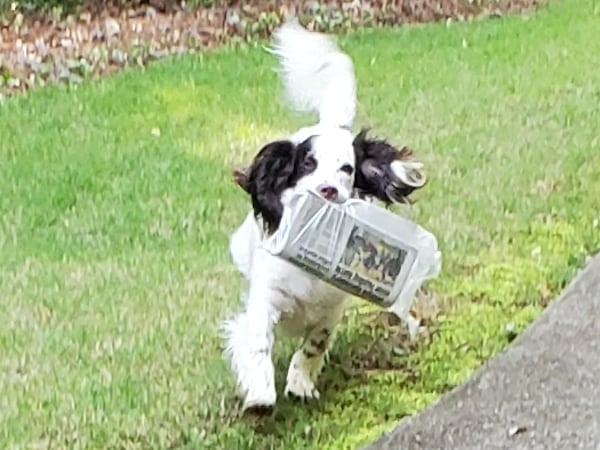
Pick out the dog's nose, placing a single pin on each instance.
(329, 193)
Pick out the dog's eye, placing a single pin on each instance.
(310, 163)
(347, 168)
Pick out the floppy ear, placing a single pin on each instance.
(384, 172)
(273, 170)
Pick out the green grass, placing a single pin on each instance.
(114, 269)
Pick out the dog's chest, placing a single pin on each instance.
(306, 300)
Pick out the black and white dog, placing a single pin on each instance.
(325, 158)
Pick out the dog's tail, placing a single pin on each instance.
(317, 75)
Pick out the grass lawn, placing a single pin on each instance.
(116, 205)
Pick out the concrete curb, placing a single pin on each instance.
(542, 392)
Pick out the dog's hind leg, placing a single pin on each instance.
(307, 363)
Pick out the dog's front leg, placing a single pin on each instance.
(307, 363)
(249, 344)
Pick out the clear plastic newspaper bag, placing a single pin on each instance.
(359, 247)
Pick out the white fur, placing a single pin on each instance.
(317, 77)
(301, 376)
(332, 148)
(277, 292)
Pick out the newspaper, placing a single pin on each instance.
(358, 247)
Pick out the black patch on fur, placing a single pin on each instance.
(374, 175)
(308, 353)
(319, 345)
(278, 166)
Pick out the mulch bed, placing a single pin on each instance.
(103, 37)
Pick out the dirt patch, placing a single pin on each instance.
(101, 38)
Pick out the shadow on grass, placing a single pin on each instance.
(373, 345)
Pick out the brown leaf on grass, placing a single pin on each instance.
(240, 176)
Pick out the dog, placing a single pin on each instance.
(326, 158)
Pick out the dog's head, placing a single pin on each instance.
(331, 162)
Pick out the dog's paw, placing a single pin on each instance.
(260, 400)
(259, 406)
(299, 385)
(257, 382)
